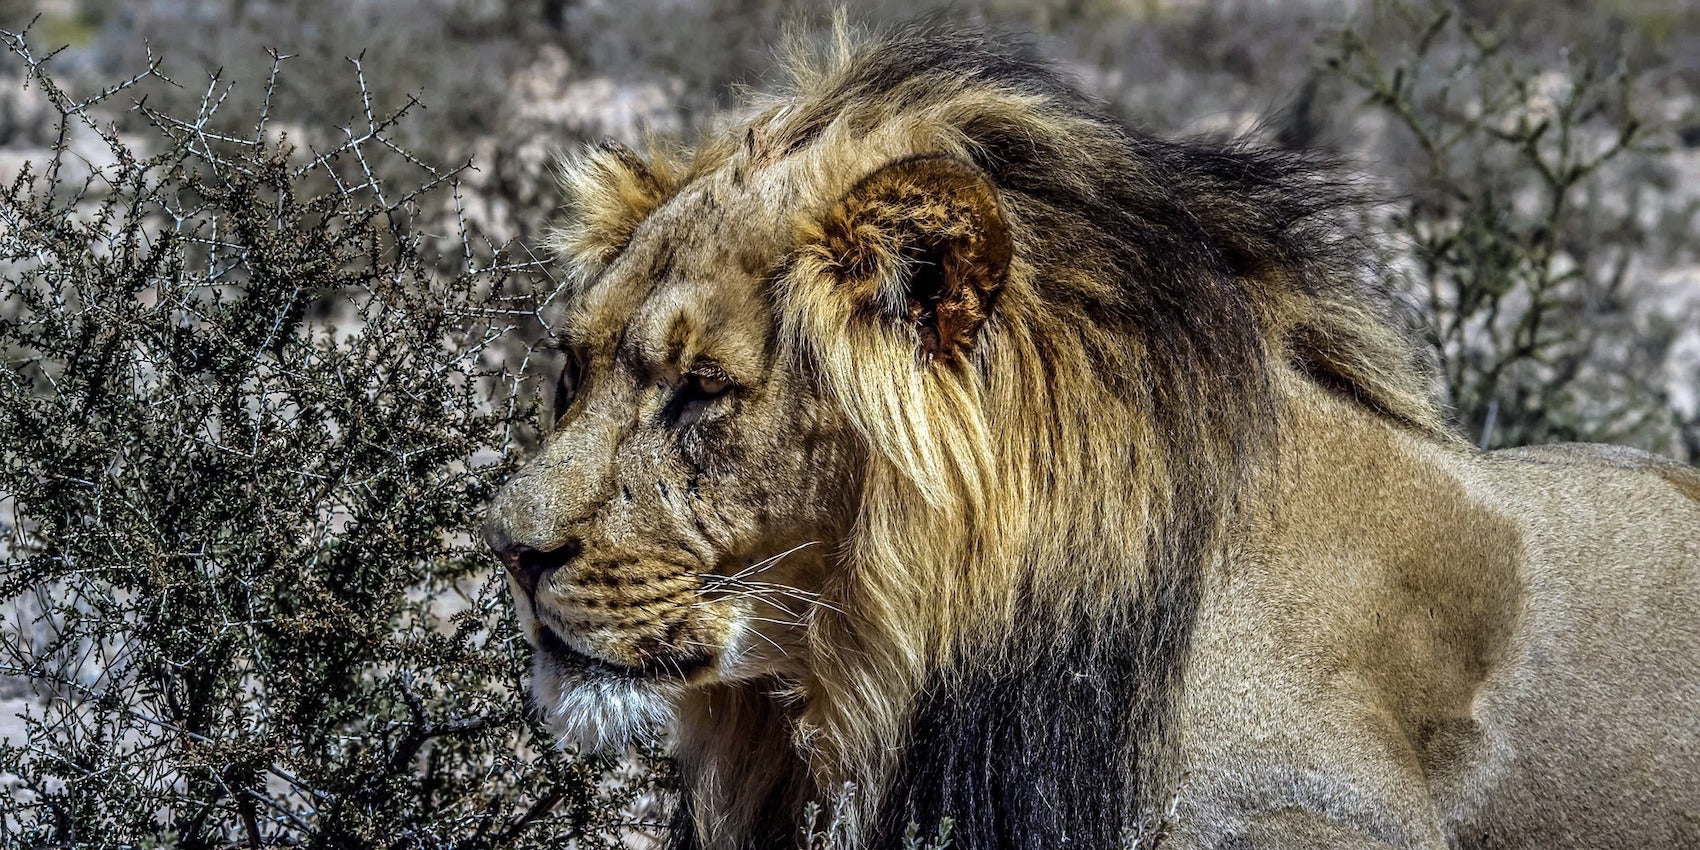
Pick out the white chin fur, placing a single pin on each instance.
(596, 712)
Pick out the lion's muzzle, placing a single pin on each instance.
(621, 607)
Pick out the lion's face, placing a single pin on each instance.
(685, 517)
(674, 529)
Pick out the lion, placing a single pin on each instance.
(932, 438)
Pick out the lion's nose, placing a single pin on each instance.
(531, 566)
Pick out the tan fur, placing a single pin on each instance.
(1447, 649)
(939, 455)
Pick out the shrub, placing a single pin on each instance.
(1534, 217)
(248, 434)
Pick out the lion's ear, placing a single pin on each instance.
(922, 242)
(608, 191)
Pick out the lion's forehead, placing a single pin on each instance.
(730, 224)
(692, 284)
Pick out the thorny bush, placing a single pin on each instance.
(1536, 214)
(247, 436)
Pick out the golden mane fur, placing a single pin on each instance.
(1050, 392)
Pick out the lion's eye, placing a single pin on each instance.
(567, 386)
(694, 396)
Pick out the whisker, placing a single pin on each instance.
(790, 624)
(771, 642)
(769, 562)
(769, 594)
(806, 596)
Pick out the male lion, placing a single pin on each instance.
(936, 434)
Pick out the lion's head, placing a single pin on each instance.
(918, 395)
(681, 520)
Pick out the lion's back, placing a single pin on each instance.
(1599, 707)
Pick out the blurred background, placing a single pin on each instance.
(1469, 117)
(271, 273)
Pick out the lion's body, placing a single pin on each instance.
(1438, 647)
(932, 433)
